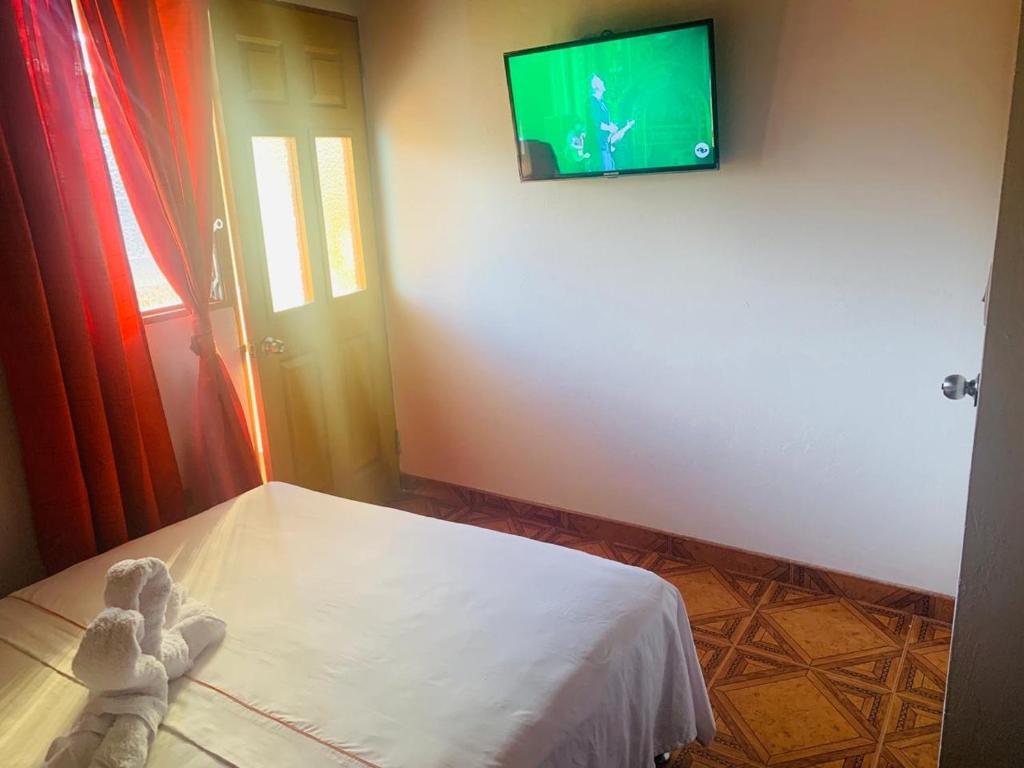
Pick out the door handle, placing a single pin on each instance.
(956, 387)
(272, 346)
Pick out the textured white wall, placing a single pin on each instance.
(750, 356)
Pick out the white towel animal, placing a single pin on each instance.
(149, 634)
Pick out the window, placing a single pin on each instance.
(336, 171)
(153, 291)
(284, 237)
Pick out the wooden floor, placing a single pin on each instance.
(799, 677)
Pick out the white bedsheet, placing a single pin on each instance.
(365, 636)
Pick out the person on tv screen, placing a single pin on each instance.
(607, 132)
(578, 143)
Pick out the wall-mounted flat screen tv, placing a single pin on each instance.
(639, 102)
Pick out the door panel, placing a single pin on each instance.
(295, 147)
(364, 442)
(327, 79)
(309, 444)
(262, 68)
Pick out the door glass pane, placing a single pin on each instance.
(341, 214)
(284, 241)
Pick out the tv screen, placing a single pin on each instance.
(639, 102)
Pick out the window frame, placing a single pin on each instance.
(220, 263)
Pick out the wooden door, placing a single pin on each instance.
(295, 149)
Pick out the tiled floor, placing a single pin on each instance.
(798, 678)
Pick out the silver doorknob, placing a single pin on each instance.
(956, 387)
(272, 346)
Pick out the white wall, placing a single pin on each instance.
(750, 356)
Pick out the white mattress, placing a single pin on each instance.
(365, 636)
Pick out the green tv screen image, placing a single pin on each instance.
(635, 103)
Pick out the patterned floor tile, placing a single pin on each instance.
(795, 716)
(876, 670)
(629, 555)
(711, 655)
(872, 704)
(699, 757)
(727, 751)
(915, 719)
(933, 657)
(666, 565)
(781, 592)
(921, 752)
(753, 587)
(763, 637)
(911, 718)
(743, 665)
(896, 623)
(829, 630)
(729, 559)
(805, 669)
(594, 547)
(709, 595)
(926, 629)
(727, 628)
(918, 678)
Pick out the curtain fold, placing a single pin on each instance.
(98, 459)
(152, 68)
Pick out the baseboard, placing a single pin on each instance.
(798, 574)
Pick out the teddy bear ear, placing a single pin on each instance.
(130, 583)
(109, 653)
(124, 583)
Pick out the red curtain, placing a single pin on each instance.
(97, 455)
(151, 64)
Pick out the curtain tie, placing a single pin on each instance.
(203, 345)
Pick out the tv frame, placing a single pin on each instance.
(605, 37)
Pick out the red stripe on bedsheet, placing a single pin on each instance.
(60, 616)
(46, 664)
(285, 723)
(231, 697)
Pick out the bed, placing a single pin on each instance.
(367, 637)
